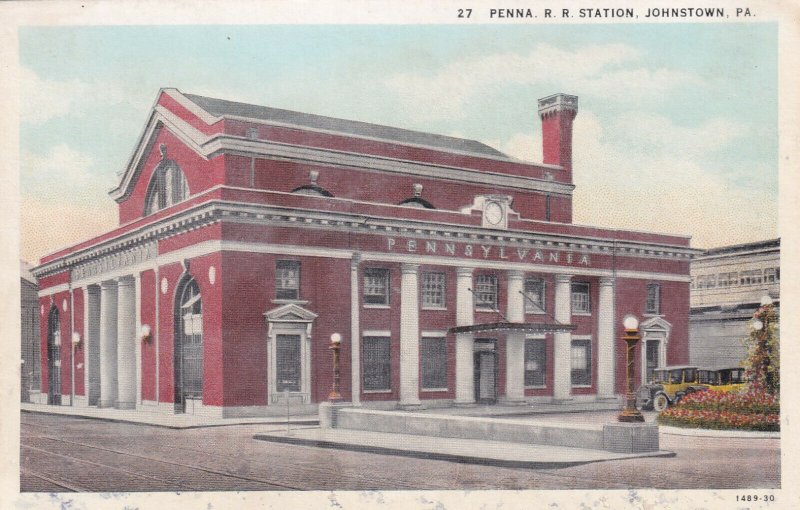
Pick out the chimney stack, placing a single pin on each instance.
(557, 113)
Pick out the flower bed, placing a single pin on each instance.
(750, 410)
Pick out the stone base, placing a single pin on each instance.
(410, 407)
(328, 413)
(465, 404)
(630, 437)
(562, 401)
(512, 402)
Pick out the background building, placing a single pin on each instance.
(249, 235)
(29, 323)
(728, 284)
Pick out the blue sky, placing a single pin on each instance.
(677, 129)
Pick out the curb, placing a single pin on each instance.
(731, 434)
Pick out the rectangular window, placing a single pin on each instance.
(580, 298)
(653, 304)
(707, 281)
(534, 295)
(770, 275)
(728, 279)
(486, 292)
(433, 290)
(433, 351)
(287, 362)
(287, 279)
(752, 277)
(376, 360)
(535, 362)
(376, 286)
(581, 362)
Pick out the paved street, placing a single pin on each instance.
(60, 453)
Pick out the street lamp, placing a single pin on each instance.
(631, 336)
(336, 343)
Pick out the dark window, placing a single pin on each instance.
(434, 362)
(287, 279)
(433, 290)
(535, 361)
(653, 304)
(581, 361)
(580, 298)
(376, 286)
(486, 292)
(190, 355)
(534, 295)
(287, 362)
(547, 208)
(377, 363)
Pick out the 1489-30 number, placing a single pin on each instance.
(768, 498)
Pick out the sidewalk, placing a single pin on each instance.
(469, 451)
(172, 421)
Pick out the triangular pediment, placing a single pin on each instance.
(656, 324)
(290, 312)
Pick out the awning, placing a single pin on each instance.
(525, 327)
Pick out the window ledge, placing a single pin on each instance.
(486, 310)
(581, 385)
(435, 308)
(537, 387)
(528, 312)
(287, 301)
(377, 307)
(583, 314)
(431, 390)
(374, 392)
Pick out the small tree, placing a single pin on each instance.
(763, 351)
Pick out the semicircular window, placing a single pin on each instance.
(312, 189)
(417, 200)
(167, 187)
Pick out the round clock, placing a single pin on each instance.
(493, 213)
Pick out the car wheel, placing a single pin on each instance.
(660, 402)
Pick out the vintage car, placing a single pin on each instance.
(668, 386)
(723, 379)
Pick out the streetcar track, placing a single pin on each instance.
(69, 487)
(153, 459)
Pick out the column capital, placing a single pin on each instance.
(407, 268)
(563, 278)
(606, 281)
(126, 281)
(355, 260)
(92, 289)
(108, 284)
(515, 274)
(464, 271)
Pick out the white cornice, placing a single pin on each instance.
(209, 212)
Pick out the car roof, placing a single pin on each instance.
(677, 367)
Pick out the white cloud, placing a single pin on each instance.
(592, 70)
(42, 99)
(61, 162)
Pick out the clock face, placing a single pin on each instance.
(494, 213)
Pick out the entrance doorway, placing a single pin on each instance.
(485, 371)
(188, 346)
(53, 358)
(651, 358)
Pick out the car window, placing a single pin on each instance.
(675, 377)
(690, 375)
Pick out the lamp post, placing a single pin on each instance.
(631, 336)
(336, 343)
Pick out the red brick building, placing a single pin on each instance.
(249, 235)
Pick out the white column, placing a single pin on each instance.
(409, 336)
(91, 345)
(515, 341)
(465, 344)
(126, 343)
(562, 378)
(108, 344)
(355, 332)
(137, 336)
(605, 339)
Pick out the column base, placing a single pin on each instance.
(105, 404)
(410, 406)
(513, 401)
(125, 405)
(465, 404)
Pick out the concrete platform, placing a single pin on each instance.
(172, 421)
(469, 451)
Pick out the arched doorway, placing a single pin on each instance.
(53, 358)
(188, 345)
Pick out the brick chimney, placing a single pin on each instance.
(557, 113)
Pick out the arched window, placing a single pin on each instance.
(188, 345)
(167, 187)
(53, 357)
